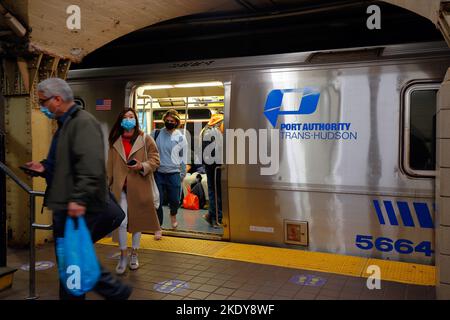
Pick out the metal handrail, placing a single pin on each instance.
(215, 190)
(33, 226)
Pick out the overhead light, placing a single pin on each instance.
(199, 84)
(156, 87)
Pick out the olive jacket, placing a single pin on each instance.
(79, 173)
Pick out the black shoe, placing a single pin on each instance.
(111, 288)
(127, 293)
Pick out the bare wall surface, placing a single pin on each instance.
(103, 21)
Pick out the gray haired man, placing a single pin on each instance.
(75, 173)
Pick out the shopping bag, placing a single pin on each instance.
(191, 201)
(78, 266)
(197, 189)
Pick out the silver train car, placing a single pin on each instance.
(356, 141)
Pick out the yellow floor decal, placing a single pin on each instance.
(290, 258)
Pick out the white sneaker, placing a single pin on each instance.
(134, 262)
(121, 265)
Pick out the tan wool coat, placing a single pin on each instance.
(141, 210)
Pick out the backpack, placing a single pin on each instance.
(197, 189)
(157, 133)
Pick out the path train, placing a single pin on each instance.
(356, 141)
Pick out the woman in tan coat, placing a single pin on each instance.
(130, 172)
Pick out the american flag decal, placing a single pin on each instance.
(103, 104)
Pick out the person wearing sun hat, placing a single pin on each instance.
(209, 134)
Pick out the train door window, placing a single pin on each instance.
(420, 130)
(196, 103)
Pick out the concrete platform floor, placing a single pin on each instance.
(176, 276)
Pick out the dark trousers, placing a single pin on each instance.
(99, 225)
(214, 182)
(170, 183)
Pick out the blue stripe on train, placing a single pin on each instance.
(391, 213)
(420, 208)
(405, 213)
(378, 210)
(423, 214)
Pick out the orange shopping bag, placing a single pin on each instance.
(191, 201)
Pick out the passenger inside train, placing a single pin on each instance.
(198, 106)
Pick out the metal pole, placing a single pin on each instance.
(3, 235)
(32, 270)
(215, 192)
(4, 170)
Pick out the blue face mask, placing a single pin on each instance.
(47, 112)
(128, 124)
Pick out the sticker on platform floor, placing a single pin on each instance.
(171, 286)
(39, 266)
(308, 280)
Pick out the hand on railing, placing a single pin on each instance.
(33, 169)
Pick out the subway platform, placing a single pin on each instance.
(191, 269)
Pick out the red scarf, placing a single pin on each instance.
(127, 146)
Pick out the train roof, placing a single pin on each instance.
(336, 56)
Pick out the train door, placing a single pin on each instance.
(200, 106)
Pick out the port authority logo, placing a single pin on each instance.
(307, 105)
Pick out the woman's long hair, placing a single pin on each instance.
(117, 129)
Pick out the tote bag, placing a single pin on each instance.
(152, 181)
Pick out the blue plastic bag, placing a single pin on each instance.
(78, 266)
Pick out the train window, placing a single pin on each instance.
(199, 114)
(420, 129)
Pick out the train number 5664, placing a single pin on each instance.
(402, 246)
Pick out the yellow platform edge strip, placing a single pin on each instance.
(402, 272)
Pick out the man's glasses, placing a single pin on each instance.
(42, 101)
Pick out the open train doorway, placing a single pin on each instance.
(201, 107)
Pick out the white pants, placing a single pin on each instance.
(136, 240)
(190, 179)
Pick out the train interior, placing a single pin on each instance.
(196, 103)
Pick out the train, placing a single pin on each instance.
(355, 141)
